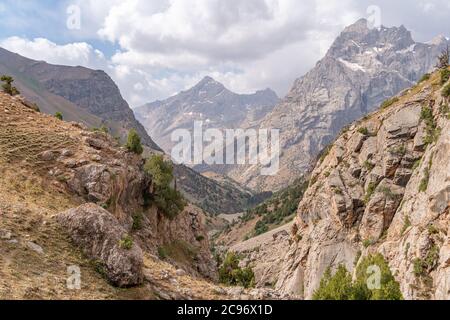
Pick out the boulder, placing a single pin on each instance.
(100, 236)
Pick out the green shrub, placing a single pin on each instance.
(137, 222)
(406, 224)
(325, 152)
(418, 267)
(445, 110)
(398, 151)
(446, 91)
(364, 131)
(260, 228)
(8, 87)
(367, 243)
(445, 76)
(368, 165)
(167, 199)
(134, 142)
(370, 191)
(102, 129)
(389, 102)
(59, 115)
(340, 286)
(388, 193)
(232, 275)
(126, 243)
(162, 253)
(423, 186)
(432, 131)
(335, 287)
(389, 288)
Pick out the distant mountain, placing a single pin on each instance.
(81, 94)
(208, 101)
(363, 68)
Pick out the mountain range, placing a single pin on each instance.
(91, 97)
(208, 101)
(363, 68)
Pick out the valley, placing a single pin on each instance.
(93, 207)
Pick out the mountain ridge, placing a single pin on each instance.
(362, 68)
(208, 101)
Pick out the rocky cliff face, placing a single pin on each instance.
(90, 167)
(384, 187)
(210, 102)
(362, 68)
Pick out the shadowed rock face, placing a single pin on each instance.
(382, 188)
(363, 68)
(209, 101)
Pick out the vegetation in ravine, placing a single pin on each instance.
(374, 281)
(232, 275)
(278, 209)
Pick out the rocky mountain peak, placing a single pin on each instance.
(359, 39)
(362, 69)
(208, 84)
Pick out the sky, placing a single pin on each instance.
(156, 48)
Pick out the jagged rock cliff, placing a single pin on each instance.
(362, 68)
(383, 186)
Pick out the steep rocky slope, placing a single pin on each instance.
(362, 68)
(208, 101)
(49, 166)
(384, 187)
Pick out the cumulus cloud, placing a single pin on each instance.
(164, 46)
(72, 54)
(248, 45)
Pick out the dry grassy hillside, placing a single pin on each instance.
(35, 187)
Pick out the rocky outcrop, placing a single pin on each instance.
(383, 187)
(101, 237)
(363, 68)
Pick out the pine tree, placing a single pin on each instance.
(134, 142)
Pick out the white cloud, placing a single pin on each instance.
(168, 45)
(72, 54)
(248, 45)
